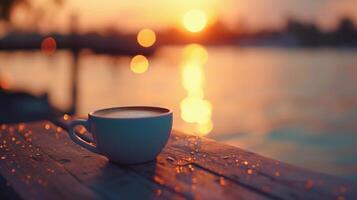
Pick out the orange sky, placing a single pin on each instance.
(133, 15)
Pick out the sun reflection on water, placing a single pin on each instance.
(194, 107)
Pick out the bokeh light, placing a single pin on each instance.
(193, 79)
(139, 64)
(48, 46)
(205, 128)
(194, 108)
(194, 20)
(195, 53)
(146, 37)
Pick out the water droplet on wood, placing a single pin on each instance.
(190, 167)
(158, 192)
(170, 158)
(47, 126)
(50, 170)
(159, 180)
(222, 181)
(65, 117)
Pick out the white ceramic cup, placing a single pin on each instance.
(128, 140)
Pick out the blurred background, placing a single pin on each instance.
(276, 77)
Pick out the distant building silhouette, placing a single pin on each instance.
(346, 32)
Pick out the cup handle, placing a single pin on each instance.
(78, 140)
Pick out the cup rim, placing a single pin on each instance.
(165, 111)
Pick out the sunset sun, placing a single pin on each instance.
(194, 20)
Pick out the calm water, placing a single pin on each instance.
(295, 105)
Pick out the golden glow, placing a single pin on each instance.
(129, 15)
(192, 79)
(194, 108)
(195, 53)
(139, 64)
(47, 126)
(48, 46)
(58, 129)
(146, 37)
(205, 128)
(65, 117)
(194, 20)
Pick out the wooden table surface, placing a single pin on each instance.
(39, 161)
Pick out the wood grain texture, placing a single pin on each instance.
(272, 178)
(93, 171)
(188, 168)
(28, 170)
(264, 176)
(161, 173)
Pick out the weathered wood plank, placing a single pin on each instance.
(92, 170)
(28, 170)
(189, 167)
(184, 180)
(268, 177)
(271, 177)
(188, 179)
